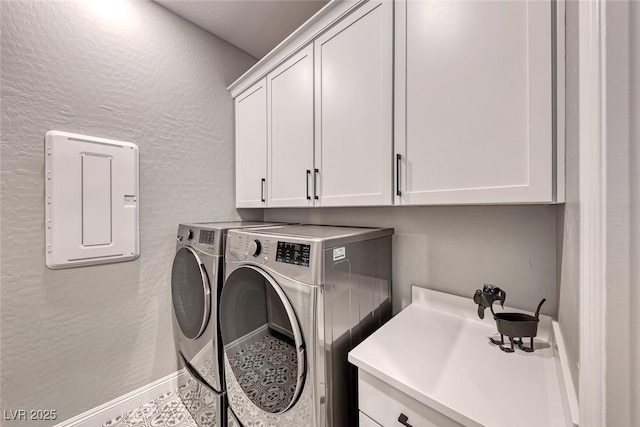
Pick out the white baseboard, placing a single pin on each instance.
(564, 375)
(123, 404)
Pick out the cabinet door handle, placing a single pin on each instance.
(398, 159)
(308, 175)
(315, 184)
(262, 181)
(403, 419)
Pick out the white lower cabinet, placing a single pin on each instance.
(381, 404)
(365, 421)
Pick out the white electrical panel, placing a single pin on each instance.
(91, 200)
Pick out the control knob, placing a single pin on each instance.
(190, 235)
(255, 247)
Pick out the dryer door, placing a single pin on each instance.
(262, 340)
(191, 293)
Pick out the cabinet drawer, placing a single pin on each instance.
(385, 404)
(365, 421)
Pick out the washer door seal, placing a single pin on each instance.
(191, 293)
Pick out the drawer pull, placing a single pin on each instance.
(402, 419)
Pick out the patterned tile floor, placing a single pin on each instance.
(164, 411)
(192, 405)
(266, 368)
(267, 371)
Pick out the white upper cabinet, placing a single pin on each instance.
(473, 102)
(290, 137)
(353, 116)
(251, 146)
(436, 102)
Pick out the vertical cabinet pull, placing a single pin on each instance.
(315, 183)
(262, 181)
(398, 159)
(307, 187)
(403, 419)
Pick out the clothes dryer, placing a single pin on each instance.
(295, 300)
(196, 281)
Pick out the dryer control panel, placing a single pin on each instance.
(249, 248)
(295, 258)
(293, 253)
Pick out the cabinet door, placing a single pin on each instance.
(354, 71)
(474, 102)
(251, 146)
(290, 138)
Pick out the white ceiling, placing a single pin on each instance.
(255, 26)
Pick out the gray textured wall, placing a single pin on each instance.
(74, 339)
(458, 248)
(569, 214)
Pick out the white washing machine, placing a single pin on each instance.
(295, 300)
(196, 281)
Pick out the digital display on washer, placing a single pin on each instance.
(207, 237)
(293, 253)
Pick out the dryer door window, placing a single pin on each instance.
(262, 339)
(191, 293)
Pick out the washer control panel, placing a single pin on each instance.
(207, 237)
(201, 239)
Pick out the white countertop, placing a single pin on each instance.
(437, 351)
